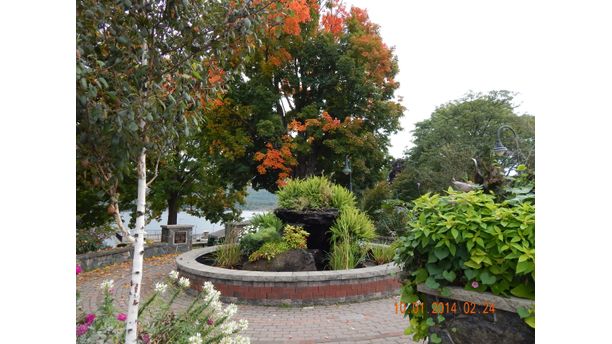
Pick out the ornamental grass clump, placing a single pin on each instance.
(382, 254)
(351, 229)
(204, 321)
(468, 240)
(314, 193)
(228, 254)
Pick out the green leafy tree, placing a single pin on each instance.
(319, 96)
(142, 68)
(457, 143)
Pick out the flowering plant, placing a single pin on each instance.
(206, 320)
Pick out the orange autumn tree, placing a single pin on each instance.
(317, 92)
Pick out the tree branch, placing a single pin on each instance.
(119, 221)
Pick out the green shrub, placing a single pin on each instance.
(373, 198)
(267, 220)
(269, 250)
(468, 240)
(295, 237)
(251, 242)
(92, 239)
(310, 193)
(392, 218)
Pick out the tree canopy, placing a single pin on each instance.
(456, 133)
(318, 96)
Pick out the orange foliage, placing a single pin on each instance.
(299, 13)
(333, 21)
(215, 74)
(277, 159)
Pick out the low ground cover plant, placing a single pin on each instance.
(468, 240)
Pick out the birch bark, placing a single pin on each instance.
(131, 328)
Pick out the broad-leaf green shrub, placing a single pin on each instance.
(392, 218)
(269, 250)
(294, 237)
(263, 228)
(373, 198)
(314, 193)
(251, 242)
(468, 240)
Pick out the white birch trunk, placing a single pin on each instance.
(131, 326)
(131, 330)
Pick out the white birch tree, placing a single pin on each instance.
(145, 72)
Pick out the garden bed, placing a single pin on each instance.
(290, 288)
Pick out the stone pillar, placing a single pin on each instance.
(235, 226)
(178, 235)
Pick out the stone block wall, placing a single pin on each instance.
(291, 288)
(94, 260)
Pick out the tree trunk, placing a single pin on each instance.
(131, 329)
(172, 209)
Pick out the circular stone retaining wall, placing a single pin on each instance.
(292, 288)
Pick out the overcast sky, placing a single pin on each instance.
(447, 48)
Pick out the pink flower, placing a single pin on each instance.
(81, 329)
(79, 270)
(89, 318)
(475, 284)
(145, 338)
(209, 321)
(121, 316)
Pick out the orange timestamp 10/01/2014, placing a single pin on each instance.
(446, 308)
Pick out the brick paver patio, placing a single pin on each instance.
(366, 322)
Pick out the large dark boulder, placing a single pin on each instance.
(315, 222)
(294, 260)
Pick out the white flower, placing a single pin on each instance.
(174, 274)
(107, 285)
(184, 282)
(226, 340)
(197, 339)
(230, 310)
(243, 324)
(215, 305)
(242, 340)
(229, 327)
(208, 287)
(161, 287)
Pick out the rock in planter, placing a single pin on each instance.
(294, 260)
(474, 322)
(315, 222)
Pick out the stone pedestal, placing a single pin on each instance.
(179, 235)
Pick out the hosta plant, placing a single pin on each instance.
(204, 321)
(467, 240)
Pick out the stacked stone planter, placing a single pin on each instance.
(315, 222)
(290, 288)
(473, 322)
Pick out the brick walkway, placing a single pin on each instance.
(366, 322)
